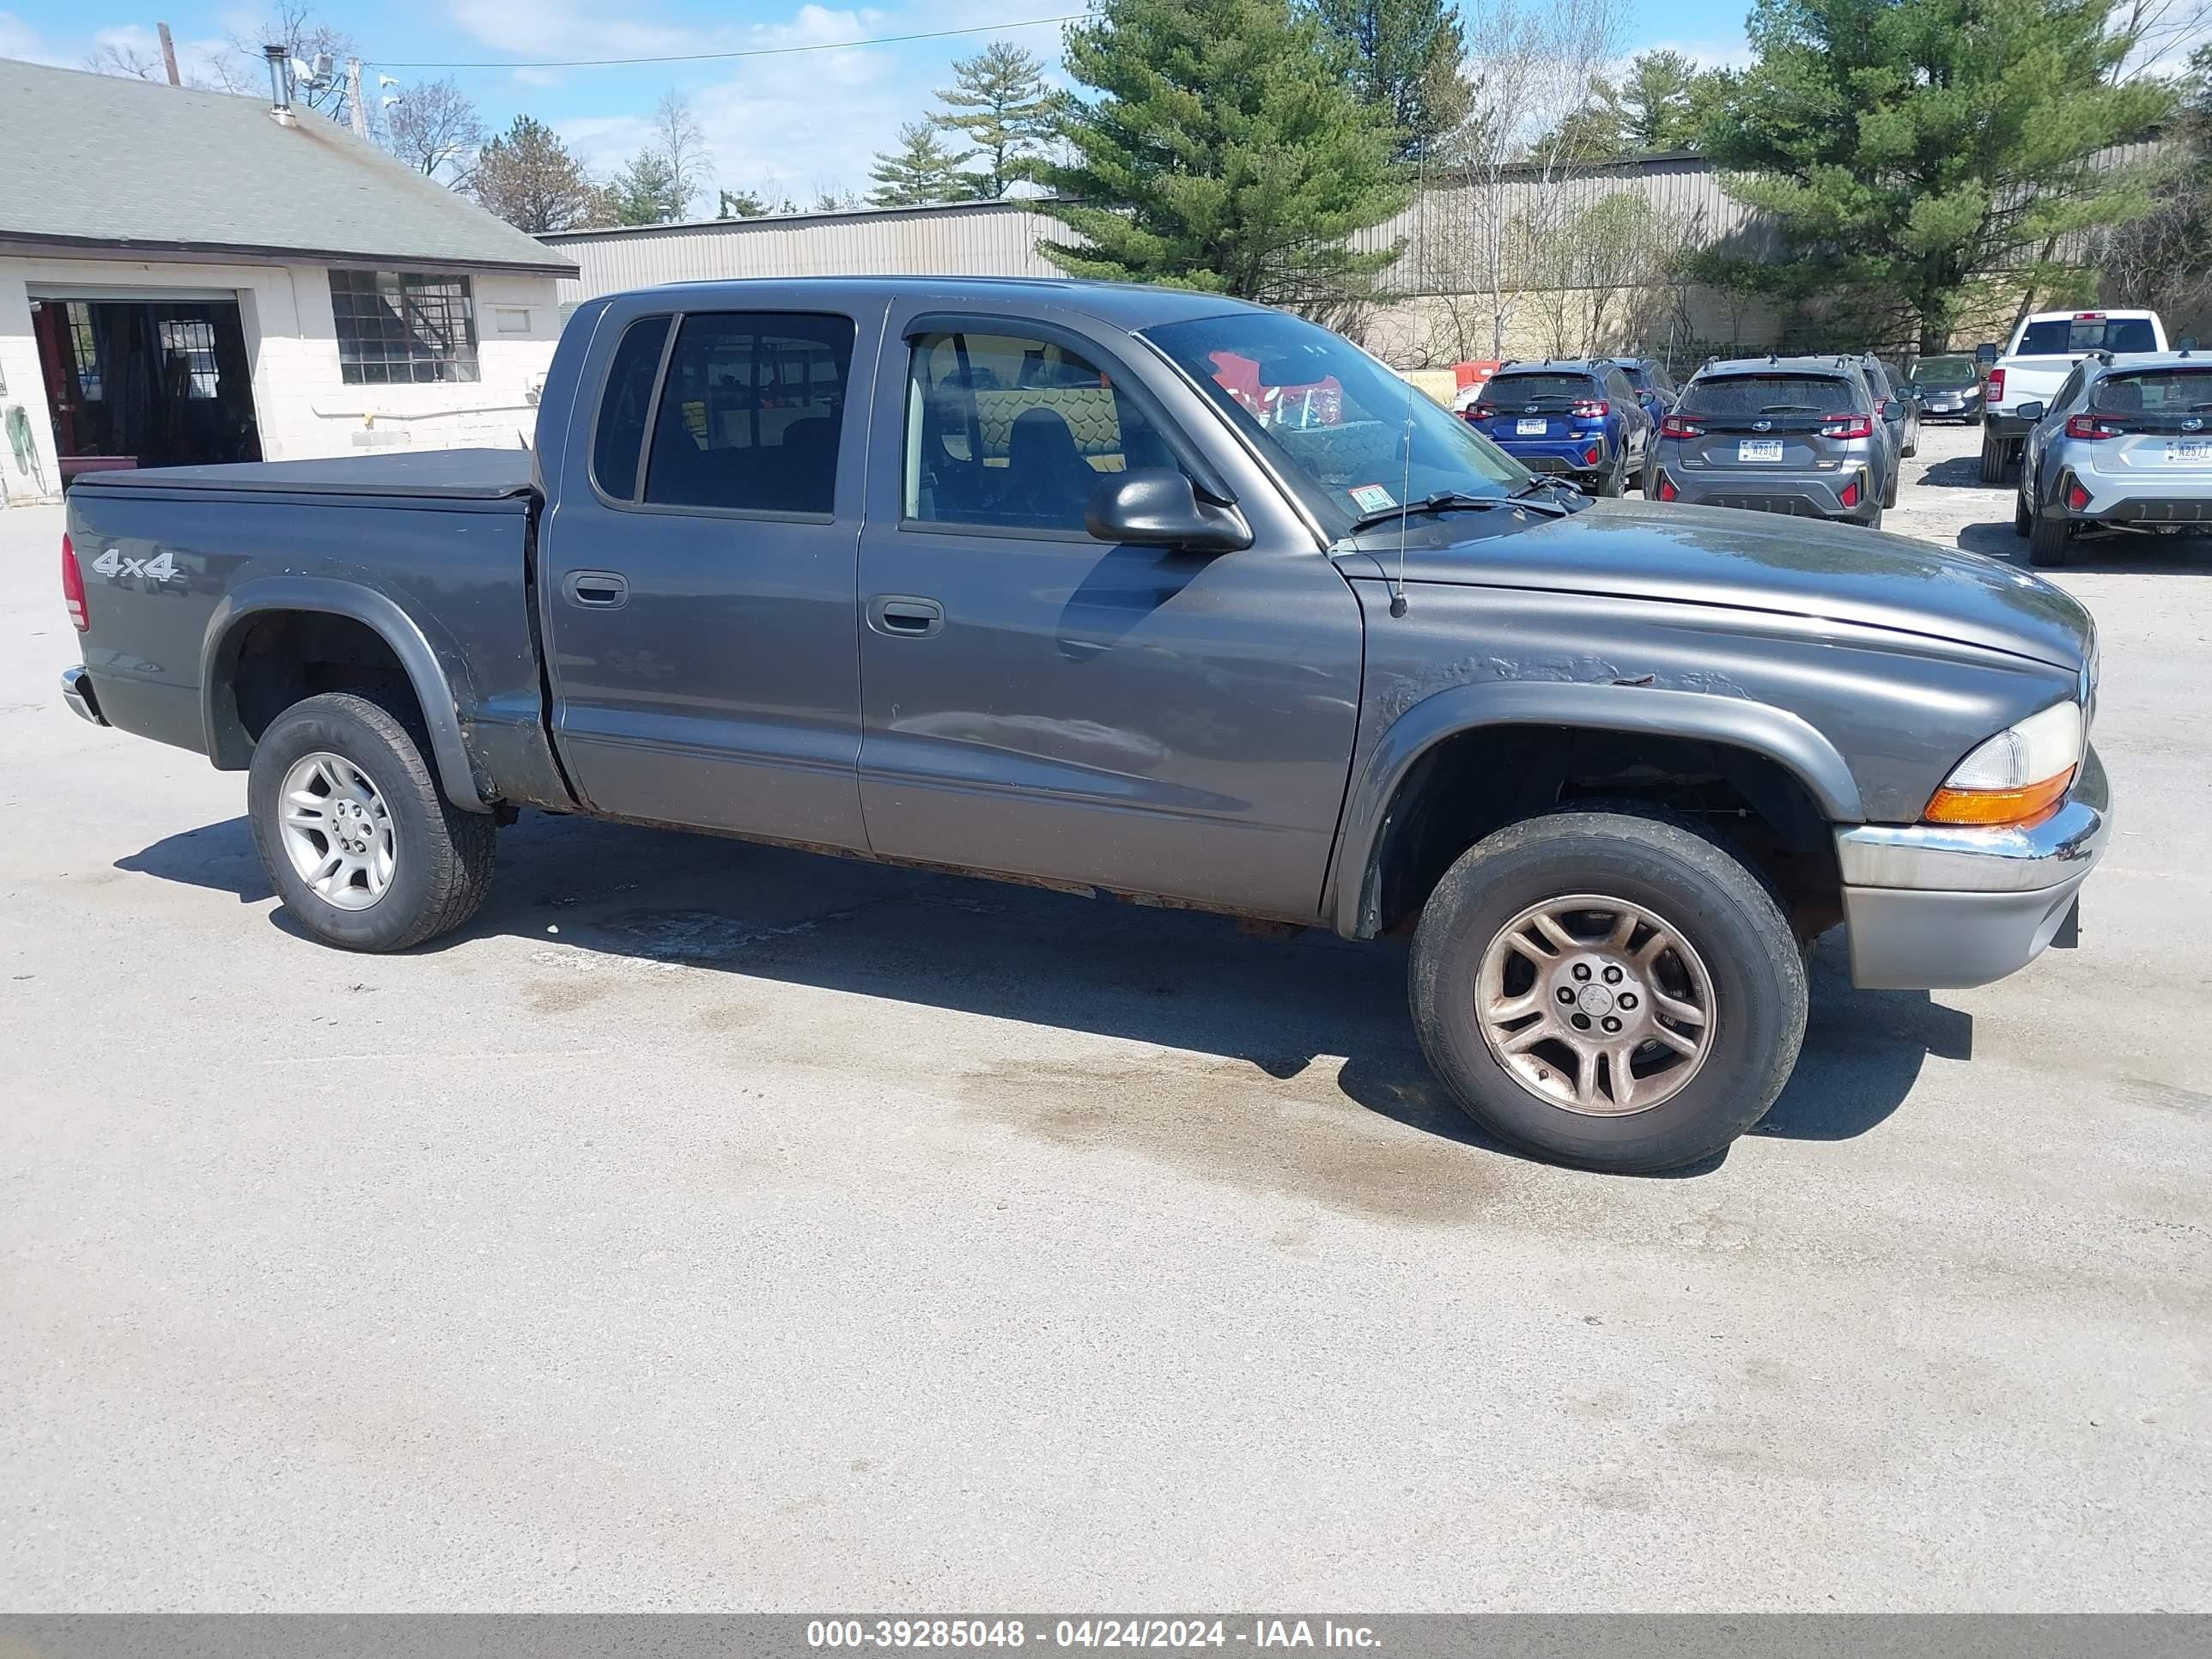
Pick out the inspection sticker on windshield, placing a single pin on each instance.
(1371, 498)
(1760, 449)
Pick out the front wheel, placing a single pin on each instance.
(358, 838)
(1608, 989)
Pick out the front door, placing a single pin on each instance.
(1039, 704)
(698, 583)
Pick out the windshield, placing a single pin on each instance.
(1946, 374)
(1769, 394)
(2160, 391)
(2060, 335)
(1336, 420)
(1518, 390)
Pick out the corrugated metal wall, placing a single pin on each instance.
(979, 239)
(1447, 232)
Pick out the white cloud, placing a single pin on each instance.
(1725, 52)
(19, 39)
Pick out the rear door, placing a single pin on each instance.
(2164, 419)
(697, 572)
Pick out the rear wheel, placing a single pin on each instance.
(1993, 458)
(2048, 538)
(1615, 480)
(1608, 990)
(358, 838)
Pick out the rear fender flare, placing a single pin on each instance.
(1790, 740)
(433, 685)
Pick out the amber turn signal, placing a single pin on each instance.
(1992, 808)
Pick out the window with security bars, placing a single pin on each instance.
(395, 327)
(191, 345)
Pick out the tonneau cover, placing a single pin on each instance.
(478, 475)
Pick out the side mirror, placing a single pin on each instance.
(1986, 353)
(2029, 412)
(2188, 343)
(1156, 507)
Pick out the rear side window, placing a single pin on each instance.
(1525, 389)
(2164, 391)
(1771, 394)
(751, 413)
(2059, 335)
(624, 405)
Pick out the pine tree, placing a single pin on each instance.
(739, 204)
(921, 171)
(1221, 148)
(1906, 147)
(644, 191)
(529, 177)
(1405, 58)
(1001, 105)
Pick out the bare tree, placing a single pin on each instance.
(294, 24)
(681, 144)
(1518, 159)
(434, 129)
(127, 61)
(2165, 31)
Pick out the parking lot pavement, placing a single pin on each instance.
(716, 1227)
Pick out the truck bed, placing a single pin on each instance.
(471, 475)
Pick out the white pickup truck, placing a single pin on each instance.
(2042, 353)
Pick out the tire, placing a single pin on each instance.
(1993, 458)
(1753, 975)
(2023, 520)
(2047, 539)
(1889, 487)
(440, 865)
(1874, 520)
(1615, 480)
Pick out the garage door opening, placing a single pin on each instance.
(133, 383)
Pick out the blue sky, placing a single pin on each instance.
(784, 124)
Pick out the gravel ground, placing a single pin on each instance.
(711, 1227)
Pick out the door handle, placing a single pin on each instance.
(598, 590)
(902, 615)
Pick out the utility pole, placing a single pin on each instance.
(169, 54)
(353, 98)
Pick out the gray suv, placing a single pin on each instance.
(1798, 435)
(2120, 446)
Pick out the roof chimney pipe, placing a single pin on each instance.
(280, 83)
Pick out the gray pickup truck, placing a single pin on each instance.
(1145, 592)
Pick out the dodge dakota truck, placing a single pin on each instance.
(1147, 593)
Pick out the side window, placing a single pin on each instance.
(620, 439)
(1618, 388)
(2063, 398)
(751, 413)
(1005, 430)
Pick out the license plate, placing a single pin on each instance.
(1760, 449)
(1530, 429)
(2190, 452)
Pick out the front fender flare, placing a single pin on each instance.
(1787, 739)
(433, 687)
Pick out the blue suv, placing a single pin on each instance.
(1572, 418)
(1655, 387)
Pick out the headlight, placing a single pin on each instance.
(2018, 776)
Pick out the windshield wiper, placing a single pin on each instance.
(1450, 501)
(1541, 481)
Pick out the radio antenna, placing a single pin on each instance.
(1404, 506)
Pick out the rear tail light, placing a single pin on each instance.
(2088, 426)
(1681, 426)
(1847, 426)
(1591, 409)
(1590, 456)
(1667, 490)
(1995, 393)
(1851, 495)
(2089, 316)
(1881, 405)
(1483, 412)
(73, 587)
(2077, 498)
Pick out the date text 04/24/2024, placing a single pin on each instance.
(1155, 1634)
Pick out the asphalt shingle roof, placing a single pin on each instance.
(99, 161)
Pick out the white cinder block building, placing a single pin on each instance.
(185, 277)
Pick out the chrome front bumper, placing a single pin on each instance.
(1933, 907)
(76, 692)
